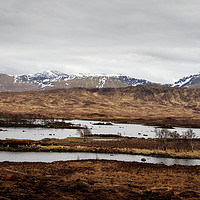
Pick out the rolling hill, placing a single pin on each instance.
(149, 104)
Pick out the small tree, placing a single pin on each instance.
(186, 139)
(175, 136)
(162, 135)
(188, 136)
(85, 132)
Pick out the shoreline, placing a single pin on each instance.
(165, 122)
(81, 145)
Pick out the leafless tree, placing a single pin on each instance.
(184, 141)
(85, 132)
(188, 137)
(175, 136)
(162, 135)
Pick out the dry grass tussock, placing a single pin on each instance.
(98, 180)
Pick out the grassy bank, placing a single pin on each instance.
(134, 146)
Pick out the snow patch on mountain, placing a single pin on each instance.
(44, 79)
(133, 81)
(185, 81)
(49, 78)
(102, 82)
(88, 75)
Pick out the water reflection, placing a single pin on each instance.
(130, 130)
(64, 156)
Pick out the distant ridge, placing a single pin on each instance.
(192, 81)
(58, 80)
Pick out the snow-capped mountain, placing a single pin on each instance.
(44, 79)
(192, 81)
(55, 80)
(133, 81)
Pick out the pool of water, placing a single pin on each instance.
(66, 156)
(129, 130)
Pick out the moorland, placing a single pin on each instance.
(144, 104)
(123, 145)
(99, 179)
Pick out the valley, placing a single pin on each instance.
(99, 100)
(154, 105)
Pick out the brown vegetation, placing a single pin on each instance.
(94, 179)
(149, 104)
(17, 121)
(149, 147)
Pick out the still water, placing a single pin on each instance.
(130, 130)
(66, 156)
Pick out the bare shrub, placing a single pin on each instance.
(184, 141)
(162, 135)
(187, 137)
(85, 132)
(175, 136)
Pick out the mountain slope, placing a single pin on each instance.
(192, 81)
(7, 83)
(150, 104)
(56, 80)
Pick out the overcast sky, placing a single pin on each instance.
(158, 40)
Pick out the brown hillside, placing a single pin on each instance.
(194, 83)
(151, 104)
(89, 82)
(7, 83)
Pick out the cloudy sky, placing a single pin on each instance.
(158, 40)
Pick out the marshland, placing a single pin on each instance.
(136, 155)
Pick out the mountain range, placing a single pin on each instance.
(57, 80)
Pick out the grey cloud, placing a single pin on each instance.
(145, 39)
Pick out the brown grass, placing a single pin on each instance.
(98, 180)
(148, 147)
(154, 105)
